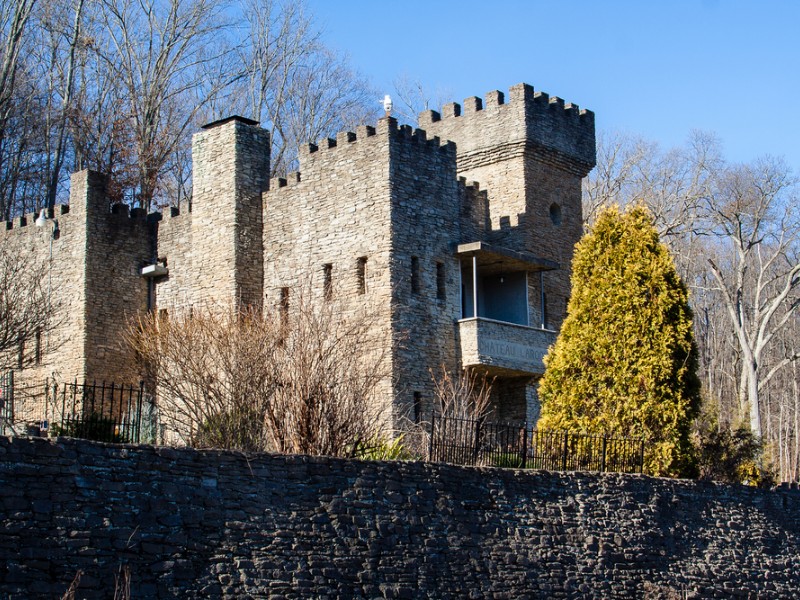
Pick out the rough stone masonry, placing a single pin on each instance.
(457, 236)
(212, 524)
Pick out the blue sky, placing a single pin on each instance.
(654, 68)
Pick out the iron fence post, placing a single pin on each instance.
(477, 442)
(641, 457)
(139, 412)
(430, 439)
(63, 403)
(566, 449)
(73, 416)
(603, 457)
(524, 445)
(11, 392)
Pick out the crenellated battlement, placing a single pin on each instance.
(528, 116)
(118, 213)
(467, 185)
(124, 212)
(495, 99)
(386, 128)
(474, 206)
(291, 180)
(171, 221)
(29, 220)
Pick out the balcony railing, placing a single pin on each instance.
(503, 348)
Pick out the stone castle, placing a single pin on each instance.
(459, 233)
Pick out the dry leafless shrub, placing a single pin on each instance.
(330, 366)
(122, 583)
(253, 382)
(210, 369)
(73, 587)
(464, 395)
(27, 307)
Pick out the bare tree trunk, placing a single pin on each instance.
(13, 45)
(58, 158)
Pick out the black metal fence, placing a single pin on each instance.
(7, 397)
(103, 412)
(487, 443)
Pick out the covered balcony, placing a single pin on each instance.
(502, 329)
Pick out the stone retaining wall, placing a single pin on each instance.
(205, 524)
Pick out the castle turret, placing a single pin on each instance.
(90, 257)
(118, 243)
(529, 152)
(231, 171)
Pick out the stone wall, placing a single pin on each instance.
(200, 524)
(63, 257)
(425, 227)
(334, 212)
(173, 293)
(57, 260)
(390, 196)
(332, 220)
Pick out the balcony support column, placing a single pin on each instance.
(542, 314)
(474, 285)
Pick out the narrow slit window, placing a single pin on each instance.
(441, 289)
(417, 407)
(21, 354)
(415, 275)
(284, 306)
(555, 214)
(327, 281)
(361, 269)
(38, 347)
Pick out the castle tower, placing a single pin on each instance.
(91, 257)
(529, 153)
(231, 171)
(118, 241)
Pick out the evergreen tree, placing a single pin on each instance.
(625, 361)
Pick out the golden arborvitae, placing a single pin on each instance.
(625, 361)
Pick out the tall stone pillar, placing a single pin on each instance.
(231, 171)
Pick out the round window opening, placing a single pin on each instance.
(555, 214)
